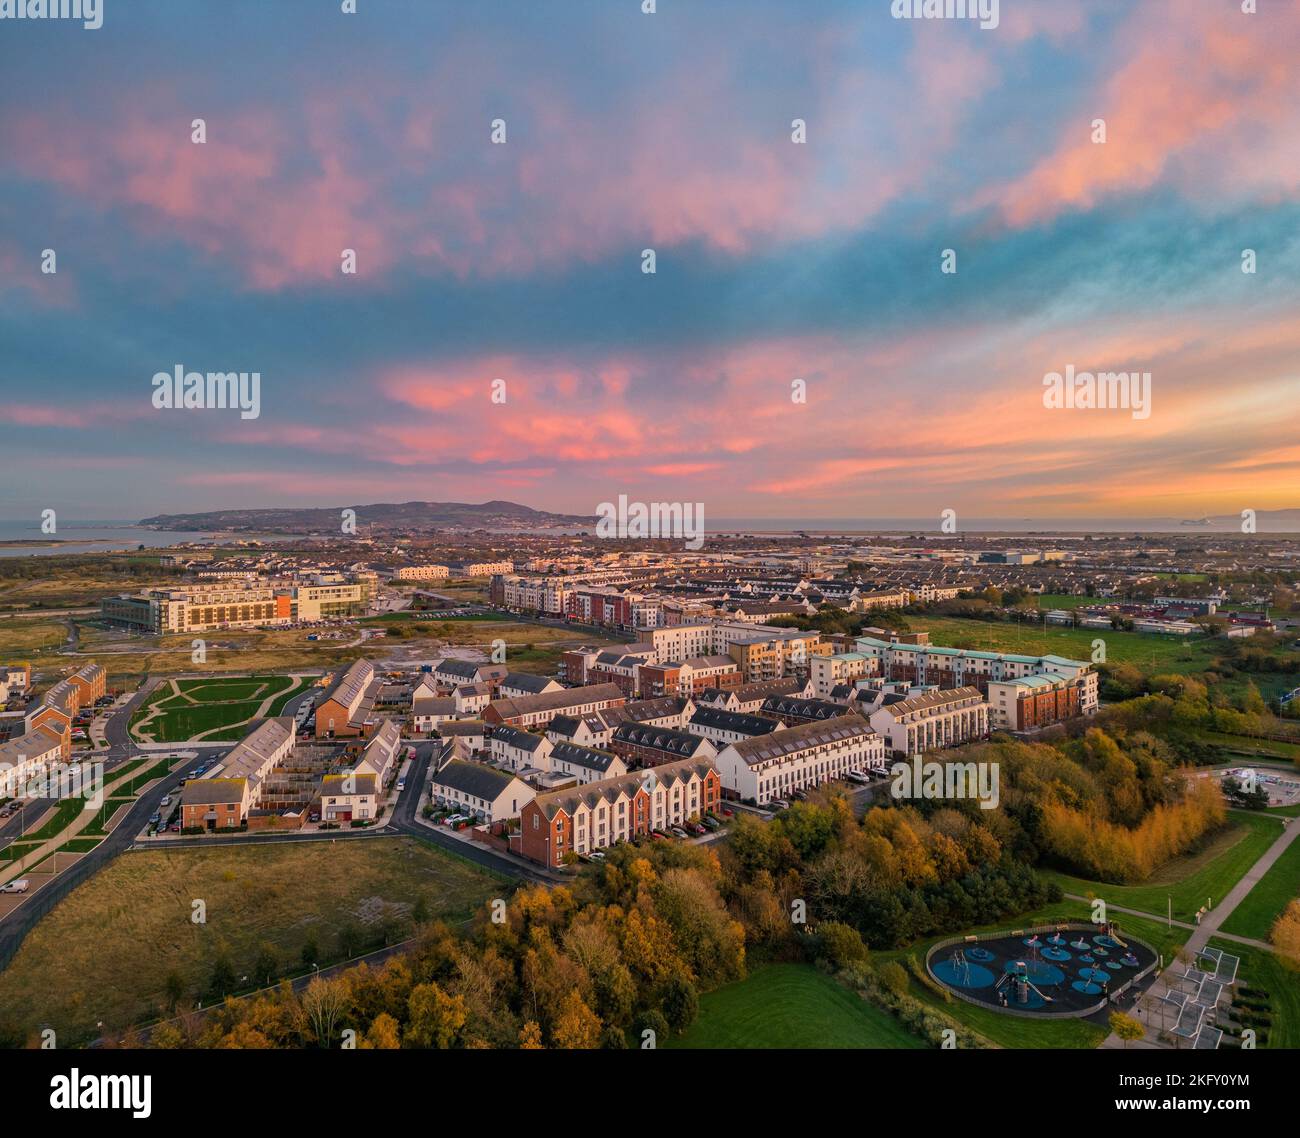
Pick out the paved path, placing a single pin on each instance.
(1177, 924)
(1209, 926)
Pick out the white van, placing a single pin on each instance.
(19, 886)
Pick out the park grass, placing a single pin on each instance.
(791, 1005)
(1208, 872)
(221, 706)
(1151, 653)
(1271, 894)
(1263, 969)
(1049, 601)
(1017, 1031)
(120, 935)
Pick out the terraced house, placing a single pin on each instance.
(229, 798)
(645, 746)
(345, 708)
(59, 705)
(599, 814)
(539, 710)
(772, 766)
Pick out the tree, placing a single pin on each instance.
(266, 966)
(530, 1036)
(223, 978)
(680, 1002)
(310, 951)
(434, 1018)
(384, 1034)
(1126, 1027)
(323, 1004)
(174, 987)
(577, 1027)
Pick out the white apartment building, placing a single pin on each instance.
(829, 672)
(421, 573)
(932, 719)
(771, 766)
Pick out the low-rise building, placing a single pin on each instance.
(539, 710)
(596, 815)
(520, 750)
(721, 727)
(916, 724)
(224, 800)
(642, 745)
(488, 794)
(772, 766)
(586, 764)
(347, 704)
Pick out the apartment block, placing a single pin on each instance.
(916, 724)
(771, 766)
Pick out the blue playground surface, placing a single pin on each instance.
(1063, 971)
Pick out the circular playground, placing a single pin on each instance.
(1066, 970)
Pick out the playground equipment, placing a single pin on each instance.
(1020, 986)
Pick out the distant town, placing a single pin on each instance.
(543, 707)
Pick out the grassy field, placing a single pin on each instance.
(791, 1005)
(1152, 653)
(1260, 907)
(1266, 970)
(1208, 872)
(1013, 1031)
(216, 709)
(22, 636)
(105, 951)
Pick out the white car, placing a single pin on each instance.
(857, 776)
(19, 886)
(167, 800)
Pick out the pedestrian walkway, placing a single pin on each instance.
(1210, 923)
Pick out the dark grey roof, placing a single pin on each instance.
(517, 737)
(681, 744)
(802, 708)
(476, 779)
(723, 720)
(580, 756)
(527, 682)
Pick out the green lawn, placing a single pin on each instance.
(215, 708)
(1260, 907)
(1209, 872)
(791, 1005)
(1266, 970)
(1015, 1031)
(1152, 653)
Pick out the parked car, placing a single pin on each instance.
(678, 831)
(697, 828)
(166, 800)
(597, 855)
(777, 804)
(856, 776)
(155, 818)
(19, 886)
(712, 824)
(314, 816)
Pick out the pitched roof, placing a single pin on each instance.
(517, 737)
(792, 740)
(680, 743)
(350, 684)
(556, 700)
(581, 756)
(526, 681)
(931, 700)
(610, 789)
(721, 719)
(476, 779)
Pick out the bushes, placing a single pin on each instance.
(920, 1020)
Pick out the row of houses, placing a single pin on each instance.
(59, 706)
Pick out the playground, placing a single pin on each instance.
(1064, 970)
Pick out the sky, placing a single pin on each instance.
(776, 261)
